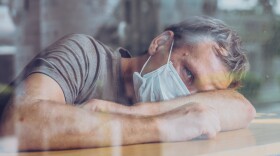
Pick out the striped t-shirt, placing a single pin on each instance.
(83, 67)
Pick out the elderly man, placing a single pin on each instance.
(76, 94)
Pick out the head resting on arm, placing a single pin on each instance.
(227, 43)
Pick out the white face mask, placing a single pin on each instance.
(161, 84)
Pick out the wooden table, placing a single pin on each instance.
(262, 137)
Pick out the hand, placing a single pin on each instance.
(188, 122)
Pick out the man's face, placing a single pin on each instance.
(200, 68)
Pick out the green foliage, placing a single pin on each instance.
(5, 89)
(5, 92)
(272, 46)
(251, 86)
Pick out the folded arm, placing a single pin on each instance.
(233, 109)
(40, 120)
(46, 125)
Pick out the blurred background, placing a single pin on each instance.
(28, 26)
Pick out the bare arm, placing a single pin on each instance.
(41, 121)
(45, 125)
(233, 109)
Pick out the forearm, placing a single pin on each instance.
(45, 125)
(233, 110)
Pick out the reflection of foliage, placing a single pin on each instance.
(251, 86)
(5, 89)
(272, 46)
(5, 92)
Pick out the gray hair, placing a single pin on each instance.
(199, 29)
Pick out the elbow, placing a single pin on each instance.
(250, 112)
(247, 110)
(11, 131)
(17, 125)
(9, 121)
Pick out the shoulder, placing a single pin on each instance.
(77, 39)
(81, 45)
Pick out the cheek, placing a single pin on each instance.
(181, 71)
(179, 68)
(178, 63)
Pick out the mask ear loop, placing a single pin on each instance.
(169, 55)
(171, 48)
(145, 65)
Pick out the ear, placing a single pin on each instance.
(161, 41)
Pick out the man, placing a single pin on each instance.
(182, 88)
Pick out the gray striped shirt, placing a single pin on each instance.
(83, 67)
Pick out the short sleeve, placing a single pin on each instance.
(68, 62)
